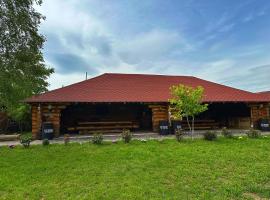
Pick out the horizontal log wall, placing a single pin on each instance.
(159, 112)
(258, 111)
(46, 113)
(36, 121)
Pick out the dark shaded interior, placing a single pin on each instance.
(102, 112)
(218, 115)
(232, 115)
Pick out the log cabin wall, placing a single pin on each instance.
(36, 121)
(159, 112)
(46, 113)
(258, 111)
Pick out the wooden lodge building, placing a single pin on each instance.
(111, 102)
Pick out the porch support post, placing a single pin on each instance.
(159, 112)
(36, 120)
(52, 112)
(268, 110)
(251, 116)
(49, 113)
(56, 116)
(258, 111)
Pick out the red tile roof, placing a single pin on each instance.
(141, 88)
(266, 93)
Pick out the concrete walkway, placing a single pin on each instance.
(87, 138)
(115, 137)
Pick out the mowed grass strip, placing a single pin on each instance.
(222, 169)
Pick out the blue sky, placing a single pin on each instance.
(225, 41)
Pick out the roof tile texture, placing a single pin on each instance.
(142, 88)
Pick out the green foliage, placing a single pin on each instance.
(226, 133)
(25, 140)
(186, 102)
(97, 138)
(23, 72)
(210, 135)
(252, 133)
(126, 135)
(45, 142)
(179, 134)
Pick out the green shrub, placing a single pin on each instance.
(45, 142)
(25, 140)
(226, 133)
(97, 138)
(210, 135)
(252, 133)
(179, 134)
(66, 139)
(126, 135)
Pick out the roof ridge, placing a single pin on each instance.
(263, 92)
(138, 74)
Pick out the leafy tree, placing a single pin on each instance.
(186, 102)
(23, 72)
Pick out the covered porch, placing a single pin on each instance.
(232, 115)
(89, 118)
(106, 118)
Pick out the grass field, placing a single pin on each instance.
(223, 169)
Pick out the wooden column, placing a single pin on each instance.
(46, 113)
(36, 121)
(268, 110)
(159, 112)
(52, 113)
(56, 117)
(258, 111)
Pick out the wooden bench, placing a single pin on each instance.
(104, 127)
(201, 124)
(9, 137)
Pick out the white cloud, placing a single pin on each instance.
(82, 35)
(57, 80)
(151, 45)
(248, 18)
(216, 70)
(87, 38)
(226, 27)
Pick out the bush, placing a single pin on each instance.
(179, 134)
(45, 142)
(11, 146)
(66, 139)
(97, 138)
(126, 135)
(252, 133)
(25, 140)
(226, 133)
(210, 135)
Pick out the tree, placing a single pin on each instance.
(23, 72)
(186, 102)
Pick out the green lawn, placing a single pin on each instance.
(223, 169)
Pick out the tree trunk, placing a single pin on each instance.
(192, 132)
(20, 126)
(189, 125)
